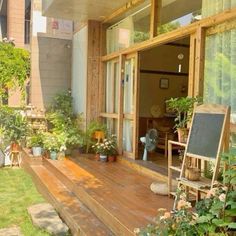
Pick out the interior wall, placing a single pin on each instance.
(162, 58)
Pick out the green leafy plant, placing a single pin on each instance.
(36, 140)
(14, 67)
(89, 133)
(107, 147)
(183, 107)
(13, 124)
(54, 142)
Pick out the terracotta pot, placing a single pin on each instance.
(15, 147)
(111, 158)
(183, 135)
(97, 157)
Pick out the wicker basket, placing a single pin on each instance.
(192, 173)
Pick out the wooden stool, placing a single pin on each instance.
(15, 156)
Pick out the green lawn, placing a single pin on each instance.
(17, 192)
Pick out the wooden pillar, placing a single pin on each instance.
(155, 17)
(192, 56)
(16, 21)
(199, 61)
(93, 70)
(121, 104)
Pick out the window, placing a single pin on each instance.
(133, 29)
(27, 20)
(210, 7)
(220, 71)
(112, 87)
(177, 13)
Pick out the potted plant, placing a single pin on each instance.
(96, 148)
(183, 107)
(112, 148)
(52, 143)
(36, 143)
(14, 127)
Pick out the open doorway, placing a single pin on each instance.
(164, 73)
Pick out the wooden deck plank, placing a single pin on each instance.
(72, 209)
(116, 188)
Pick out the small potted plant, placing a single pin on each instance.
(96, 148)
(112, 148)
(51, 144)
(36, 143)
(183, 107)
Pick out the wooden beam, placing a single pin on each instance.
(176, 34)
(155, 17)
(199, 61)
(158, 72)
(121, 11)
(192, 55)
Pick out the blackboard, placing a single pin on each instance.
(205, 134)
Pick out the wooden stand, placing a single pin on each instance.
(171, 167)
(208, 137)
(15, 157)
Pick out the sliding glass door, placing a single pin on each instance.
(130, 88)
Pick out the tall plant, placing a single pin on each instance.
(183, 107)
(14, 67)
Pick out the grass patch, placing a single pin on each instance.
(17, 192)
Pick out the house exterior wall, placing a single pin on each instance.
(51, 69)
(16, 21)
(51, 53)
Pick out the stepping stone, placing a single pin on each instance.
(13, 231)
(45, 217)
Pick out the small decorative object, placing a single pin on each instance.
(192, 173)
(155, 111)
(61, 156)
(164, 83)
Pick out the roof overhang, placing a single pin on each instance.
(81, 10)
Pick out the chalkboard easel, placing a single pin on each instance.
(208, 137)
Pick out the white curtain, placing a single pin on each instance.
(220, 62)
(212, 7)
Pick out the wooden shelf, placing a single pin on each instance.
(202, 185)
(176, 168)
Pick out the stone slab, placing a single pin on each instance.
(12, 231)
(45, 217)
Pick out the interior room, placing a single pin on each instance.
(163, 75)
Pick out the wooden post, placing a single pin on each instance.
(199, 61)
(120, 104)
(155, 17)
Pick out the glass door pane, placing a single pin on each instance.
(129, 88)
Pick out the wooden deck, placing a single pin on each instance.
(98, 198)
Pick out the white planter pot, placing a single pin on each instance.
(37, 151)
(103, 158)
